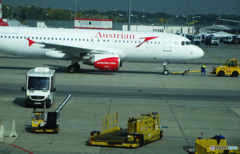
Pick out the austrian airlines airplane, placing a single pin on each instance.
(104, 49)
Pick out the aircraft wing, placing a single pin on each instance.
(68, 49)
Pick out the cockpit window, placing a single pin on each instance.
(182, 43)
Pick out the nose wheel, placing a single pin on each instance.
(165, 69)
(73, 68)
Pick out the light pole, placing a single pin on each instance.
(80, 12)
(187, 12)
(205, 18)
(129, 15)
(116, 18)
(75, 8)
(12, 12)
(70, 14)
(27, 12)
(143, 17)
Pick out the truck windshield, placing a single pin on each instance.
(215, 38)
(38, 83)
(197, 37)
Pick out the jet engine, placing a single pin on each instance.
(107, 62)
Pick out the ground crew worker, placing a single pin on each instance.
(203, 69)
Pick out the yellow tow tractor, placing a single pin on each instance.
(231, 67)
(215, 145)
(43, 121)
(141, 130)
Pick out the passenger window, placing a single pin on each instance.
(119, 41)
(16, 37)
(79, 39)
(48, 38)
(5, 36)
(36, 37)
(1, 36)
(52, 38)
(67, 39)
(83, 39)
(29, 37)
(107, 40)
(55, 38)
(44, 38)
(127, 41)
(40, 38)
(71, 39)
(13, 37)
(9, 36)
(116, 41)
(32, 37)
(20, 37)
(60, 38)
(87, 39)
(75, 39)
(123, 41)
(139, 41)
(25, 37)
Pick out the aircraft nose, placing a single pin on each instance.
(199, 52)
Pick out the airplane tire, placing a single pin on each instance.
(165, 72)
(71, 69)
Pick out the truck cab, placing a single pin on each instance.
(40, 87)
(196, 39)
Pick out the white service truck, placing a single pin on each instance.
(40, 87)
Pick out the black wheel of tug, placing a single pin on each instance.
(221, 73)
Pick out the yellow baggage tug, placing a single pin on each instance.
(141, 130)
(215, 145)
(43, 121)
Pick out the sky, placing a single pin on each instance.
(175, 7)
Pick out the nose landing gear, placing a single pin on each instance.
(165, 69)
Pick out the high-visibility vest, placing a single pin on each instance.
(204, 66)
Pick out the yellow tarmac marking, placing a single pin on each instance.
(213, 56)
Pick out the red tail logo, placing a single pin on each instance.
(145, 40)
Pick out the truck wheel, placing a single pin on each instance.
(235, 74)
(48, 105)
(26, 104)
(141, 140)
(221, 73)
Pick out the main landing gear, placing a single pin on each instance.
(73, 68)
(165, 69)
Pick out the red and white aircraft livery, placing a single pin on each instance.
(104, 49)
(2, 23)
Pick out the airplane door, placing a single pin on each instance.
(167, 44)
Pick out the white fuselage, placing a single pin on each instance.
(160, 46)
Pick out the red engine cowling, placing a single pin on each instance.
(107, 62)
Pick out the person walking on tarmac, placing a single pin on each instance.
(203, 69)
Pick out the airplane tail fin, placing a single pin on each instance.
(1, 18)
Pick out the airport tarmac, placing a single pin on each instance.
(189, 105)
